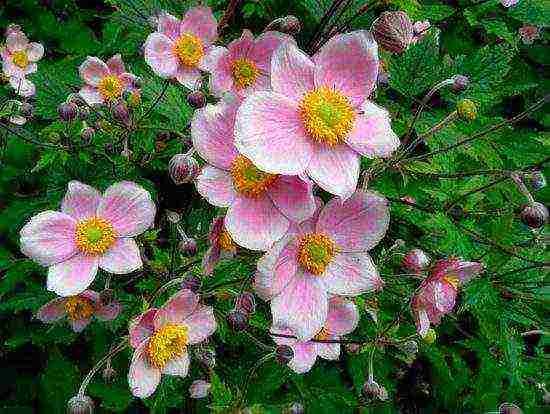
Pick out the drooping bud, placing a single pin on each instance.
(460, 83)
(393, 31)
(67, 111)
(283, 354)
(80, 404)
(537, 180)
(246, 303)
(371, 389)
(193, 283)
(416, 260)
(509, 408)
(199, 389)
(206, 356)
(467, 109)
(121, 113)
(295, 408)
(238, 320)
(188, 246)
(430, 337)
(534, 215)
(289, 24)
(196, 99)
(87, 134)
(183, 168)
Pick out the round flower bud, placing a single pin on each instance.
(188, 247)
(288, 24)
(509, 408)
(238, 320)
(196, 99)
(109, 374)
(106, 296)
(183, 169)
(134, 98)
(430, 337)
(109, 148)
(371, 389)
(416, 260)
(193, 283)
(120, 113)
(80, 404)
(460, 83)
(537, 180)
(67, 111)
(206, 357)
(246, 303)
(353, 348)
(409, 347)
(466, 109)
(83, 113)
(199, 389)
(284, 354)
(173, 217)
(87, 134)
(534, 215)
(296, 408)
(393, 31)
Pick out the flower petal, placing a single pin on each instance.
(216, 186)
(109, 311)
(116, 65)
(123, 257)
(80, 201)
(305, 355)
(422, 322)
(328, 351)
(72, 276)
(217, 63)
(358, 223)
(142, 327)
(445, 296)
(277, 268)
(78, 325)
(201, 324)
(269, 131)
(93, 70)
(351, 274)
(292, 72)
(189, 77)
(160, 56)
(168, 25)
(201, 22)
(143, 378)
(178, 366)
(16, 41)
(52, 311)
(91, 95)
(22, 86)
(178, 308)
(264, 46)
(293, 196)
(128, 207)
(49, 238)
(343, 316)
(35, 51)
(466, 271)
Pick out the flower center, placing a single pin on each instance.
(167, 343)
(110, 88)
(322, 335)
(315, 252)
(327, 115)
(94, 235)
(225, 242)
(248, 179)
(20, 59)
(452, 280)
(245, 72)
(188, 49)
(78, 307)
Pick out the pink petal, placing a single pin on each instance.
(201, 22)
(49, 238)
(16, 41)
(168, 25)
(142, 327)
(35, 51)
(216, 186)
(123, 257)
(160, 56)
(91, 95)
(212, 133)
(116, 65)
(217, 63)
(72, 276)
(358, 223)
(189, 77)
(109, 311)
(128, 207)
(328, 351)
(466, 271)
(180, 306)
(93, 70)
(80, 201)
(264, 46)
(142, 377)
(78, 325)
(283, 340)
(241, 47)
(293, 196)
(422, 322)
(210, 259)
(305, 355)
(31, 68)
(445, 296)
(301, 306)
(178, 366)
(343, 316)
(23, 87)
(13, 72)
(348, 63)
(308, 226)
(128, 81)
(335, 169)
(270, 132)
(255, 223)
(351, 274)
(372, 135)
(291, 72)
(52, 311)
(201, 324)
(91, 295)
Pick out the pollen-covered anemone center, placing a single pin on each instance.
(110, 88)
(452, 280)
(225, 242)
(20, 59)
(245, 72)
(167, 343)
(248, 180)
(315, 252)
(322, 335)
(77, 307)
(327, 115)
(189, 49)
(94, 235)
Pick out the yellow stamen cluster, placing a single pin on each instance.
(77, 307)
(189, 50)
(167, 343)
(453, 280)
(248, 180)
(225, 242)
(322, 335)
(315, 252)
(110, 88)
(20, 59)
(327, 115)
(245, 72)
(94, 235)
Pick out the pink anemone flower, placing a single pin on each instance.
(91, 231)
(436, 295)
(79, 310)
(317, 118)
(221, 246)
(342, 319)
(261, 205)
(323, 256)
(178, 48)
(160, 338)
(245, 65)
(105, 82)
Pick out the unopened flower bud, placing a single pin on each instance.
(107, 296)
(534, 215)
(183, 168)
(192, 283)
(460, 83)
(87, 134)
(196, 99)
(26, 109)
(416, 260)
(467, 109)
(80, 404)
(371, 389)
(289, 24)
(295, 408)
(188, 246)
(284, 354)
(199, 389)
(353, 348)
(206, 357)
(109, 374)
(173, 217)
(109, 148)
(120, 113)
(238, 320)
(537, 180)
(76, 99)
(83, 113)
(393, 31)
(67, 111)
(246, 303)
(509, 408)
(430, 337)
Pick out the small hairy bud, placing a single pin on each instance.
(416, 260)
(409, 347)
(199, 389)
(238, 320)
(196, 99)
(121, 113)
(87, 134)
(393, 31)
(283, 354)
(534, 215)
(371, 389)
(537, 180)
(467, 109)
(353, 348)
(206, 357)
(430, 337)
(192, 283)
(67, 111)
(109, 374)
(295, 408)
(83, 113)
(188, 247)
(183, 168)
(460, 83)
(509, 408)
(246, 303)
(289, 24)
(80, 404)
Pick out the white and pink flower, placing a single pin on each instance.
(221, 246)
(178, 48)
(509, 3)
(342, 319)
(160, 338)
(529, 34)
(261, 206)
(323, 256)
(317, 118)
(79, 310)
(91, 231)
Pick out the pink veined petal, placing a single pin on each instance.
(241, 47)
(201, 324)
(142, 327)
(23, 87)
(128, 207)
(49, 238)
(16, 41)
(308, 226)
(277, 268)
(178, 308)
(143, 378)
(216, 186)
(305, 355)
(116, 65)
(128, 81)
(291, 72)
(35, 51)
(422, 322)
(80, 201)
(93, 70)
(264, 46)
(168, 25)
(78, 325)
(262, 286)
(90, 295)
(52, 311)
(348, 63)
(109, 311)
(466, 271)
(217, 63)
(328, 351)
(212, 133)
(343, 316)
(255, 223)
(201, 22)
(189, 77)
(351, 274)
(72, 276)
(270, 132)
(210, 259)
(91, 95)
(12, 71)
(372, 135)
(358, 223)
(122, 257)
(178, 366)
(31, 68)
(301, 306)
(282, 340)
(293, 196)
(445, 296)
(335, 169)
(160, 56)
